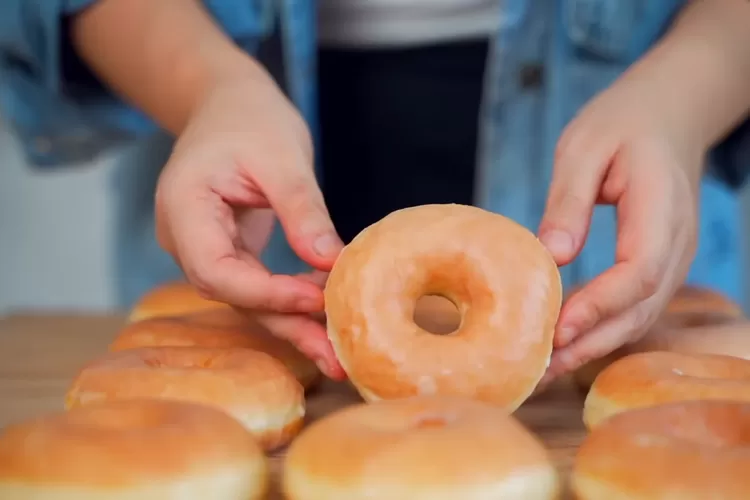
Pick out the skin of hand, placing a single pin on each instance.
(243, 159)
(617, 152)
(641, 146)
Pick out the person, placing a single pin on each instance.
(645, 97)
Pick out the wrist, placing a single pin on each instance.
(228, 68)
(700, 71)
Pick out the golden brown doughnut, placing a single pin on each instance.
(251, 386)
(697, 320)
(688, 451)
(132, 450)
(700, 306)
(174, 298)
(654, 378)
(423, 447)
(500, 277)
(216, 328)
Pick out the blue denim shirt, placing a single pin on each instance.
(575, 47)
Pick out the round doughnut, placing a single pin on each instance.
(422, 447)
(654, 378)
(697, 320)
(500, 277)
(700, 306)
(691, 451)
(132, 450)
(251, 386)
(218, 328)
(172, 299)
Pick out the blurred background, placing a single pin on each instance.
(55, 238)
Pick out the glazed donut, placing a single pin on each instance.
(172, 299)
(691, 451)
(422, 447)
(500, 277)
(654, 378)
(132, 450)
(697, 320)
(700, 306)
(251, 386)
(218, 328)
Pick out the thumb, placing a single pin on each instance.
(570, 205)
(298, 203)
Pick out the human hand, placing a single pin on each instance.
(244, 158)
(621, 150)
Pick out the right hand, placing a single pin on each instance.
(244, 158)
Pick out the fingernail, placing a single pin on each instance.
(322, 366)
(327, 245)
(559, 243)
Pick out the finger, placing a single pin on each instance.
(297, 200)
(642, 262)
(309, 337)
(203, 234)
(254, 227)
(576, 180)
(319, 278)
(596, 343)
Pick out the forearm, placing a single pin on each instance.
(699, 74)
(163, 56)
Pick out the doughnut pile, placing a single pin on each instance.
(502, 280)
(443, 318)
(669, 415)
(696, 320)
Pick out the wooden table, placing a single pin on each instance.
(39, 356)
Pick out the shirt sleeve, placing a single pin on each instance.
(731, 158)
(32, 36)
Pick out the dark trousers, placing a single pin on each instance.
(398, 128)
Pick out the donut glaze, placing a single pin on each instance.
(500, 277)
(132, 450)
(688, 451)
(700, 306)
(419, 448)
(220, 328)
(696, 321)
(653, 378)
(172, 299)
(251, 386)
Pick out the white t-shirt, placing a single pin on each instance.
(383, 23)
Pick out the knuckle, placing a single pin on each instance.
(640, 319)
(298, 192)
(203, 280)
(649, 279)
(593, 313)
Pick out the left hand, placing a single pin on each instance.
(621, 151)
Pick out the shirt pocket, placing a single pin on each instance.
(617, 30)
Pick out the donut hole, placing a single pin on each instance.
(430, 421)
(437, 314)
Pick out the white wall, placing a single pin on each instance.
(54, 245)
(54, 240)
